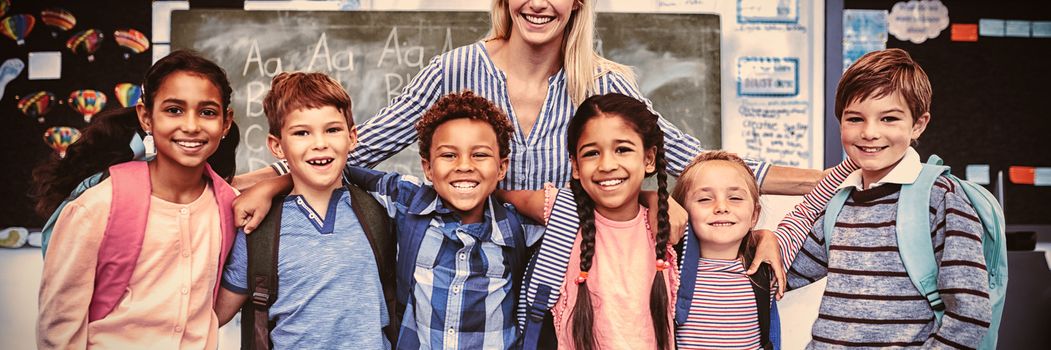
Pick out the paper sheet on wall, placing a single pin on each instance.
(864, 31)
(772, 90)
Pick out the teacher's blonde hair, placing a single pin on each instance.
(580, 61)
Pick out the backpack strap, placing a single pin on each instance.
(548, 270)
(687, 276)
(122, 240)
(761, 289)
(832, 209)
(914, 235)
(378, 230)
(224, 197)
(509, 221)
(262, 247)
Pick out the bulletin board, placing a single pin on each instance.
(991, 95)
(22, 145)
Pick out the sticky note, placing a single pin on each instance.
(1042, 29)
(978, 173)
(1017, 29)
(964, 32)
(1022, 175)
(1042, 177)
(45, 65)
(990, 27)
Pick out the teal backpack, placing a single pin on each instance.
(917, 251)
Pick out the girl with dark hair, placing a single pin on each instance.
(621, 273)
(113, 137)
(140, 252)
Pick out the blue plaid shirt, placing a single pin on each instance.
(463, 295)
(537, 158)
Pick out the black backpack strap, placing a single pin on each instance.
(380, 233)
(262, 280)
(761, 288)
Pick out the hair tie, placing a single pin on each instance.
(583, 277)
(661, 264)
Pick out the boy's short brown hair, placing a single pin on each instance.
(464, 105)
(290, 92)
(880, 73)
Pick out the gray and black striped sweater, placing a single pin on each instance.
(869, 300)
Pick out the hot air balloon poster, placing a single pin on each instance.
(58, 19)
(17, 27)
(85, 42)
(128, 94)
(132, 40)
(87, 102)
(37, 105)
(60, 137)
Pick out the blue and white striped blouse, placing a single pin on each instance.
(536, 159)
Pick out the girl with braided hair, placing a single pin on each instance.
(620, 273)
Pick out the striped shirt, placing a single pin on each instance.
(870, 301)
(722, 314)
(537, 158)
(463, 296)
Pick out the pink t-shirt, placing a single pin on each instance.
(620, 280)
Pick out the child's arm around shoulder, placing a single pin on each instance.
(533, 204)
(963, 280)
(391, 190)
(251, 206)
(68, 278)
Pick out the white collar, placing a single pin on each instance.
(905, 172)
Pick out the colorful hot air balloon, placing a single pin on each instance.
(127, 94)
(17, 27)
(58, 18)
(60, 137)
(37, 104)
(87, 102)
(133, 40)
(86, 42)
(4, 6)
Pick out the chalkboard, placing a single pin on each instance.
(374, 54)
(990, 99)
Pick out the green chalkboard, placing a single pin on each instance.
(374, 54)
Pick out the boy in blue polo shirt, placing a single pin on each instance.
(461, 253)
(329, 295)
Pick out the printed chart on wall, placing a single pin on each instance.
(772, 85)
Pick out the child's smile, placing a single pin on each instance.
(187, 120)
(611, 163)
(876, 132)
(465, 165)
(315, 143)
(721, 206)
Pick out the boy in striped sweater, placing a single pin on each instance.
(883, 104)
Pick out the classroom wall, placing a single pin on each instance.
(770, 71)
(22, 144)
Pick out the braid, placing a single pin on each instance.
(583, 314)
(659, 291)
